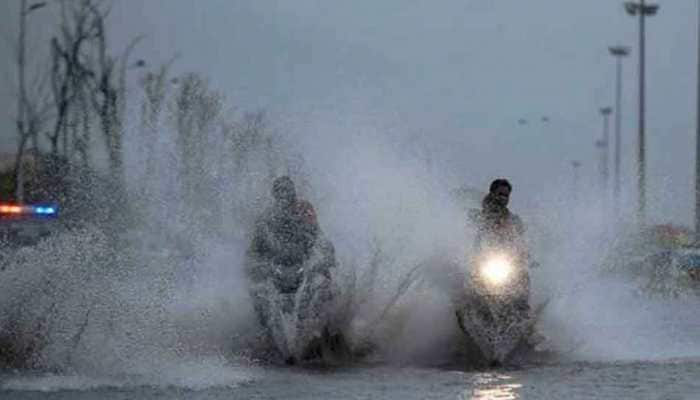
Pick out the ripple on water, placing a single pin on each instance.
(189, 375)
(493, 386)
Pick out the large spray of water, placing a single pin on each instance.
(164, 297)
(600, 308)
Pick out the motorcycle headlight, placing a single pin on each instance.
(496, 270)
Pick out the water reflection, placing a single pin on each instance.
(493, 387)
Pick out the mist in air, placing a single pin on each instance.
(380, 113)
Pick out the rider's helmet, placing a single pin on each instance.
(283, 191)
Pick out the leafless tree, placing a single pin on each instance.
(109, 94)
(195, 110)
(155, 88)
(87, 84)
(70, 77)
(31, 107)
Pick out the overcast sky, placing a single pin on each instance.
(455, 75)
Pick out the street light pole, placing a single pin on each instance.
(642, 10)
(605, 112)
(603, 147)
(575, 165)
(619, 52)
(697, 142)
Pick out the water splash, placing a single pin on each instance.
(598, 315)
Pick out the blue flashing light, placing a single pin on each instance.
(45, 210)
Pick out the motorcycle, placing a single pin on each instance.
(296, 308)
(494, 311)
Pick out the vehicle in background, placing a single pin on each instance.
(685, 262)
(663, 260)
(26, 224)
(690, 263)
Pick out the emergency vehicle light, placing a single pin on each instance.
(28, 210)
(45, 210)
(11, 209)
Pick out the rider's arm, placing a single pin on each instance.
(520, 239)
(259, 253)
(309, 224)
(477, 219)
(519, 226)
(478, 239)
(259, 244)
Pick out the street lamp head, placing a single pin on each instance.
(651, 9)
(606, 110)
(634, 8)
(601, 144)
(619, 51)
(631, 7)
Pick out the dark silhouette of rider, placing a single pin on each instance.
(496, 221)
(286, 233)
(288, 247)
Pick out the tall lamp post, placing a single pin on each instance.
(619, 52)
(697, 144)
(642, 10)
(605, 112)
(575, 165)
(603, 147)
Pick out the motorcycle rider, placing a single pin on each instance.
(497, 223)
(499, 227)
(500, 320)
(287, 249)
(284, 236)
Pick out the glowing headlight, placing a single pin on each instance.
(496, 270)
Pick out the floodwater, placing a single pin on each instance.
(668, 380)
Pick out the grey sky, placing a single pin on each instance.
(455, 74)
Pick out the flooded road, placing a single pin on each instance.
(669, 380)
